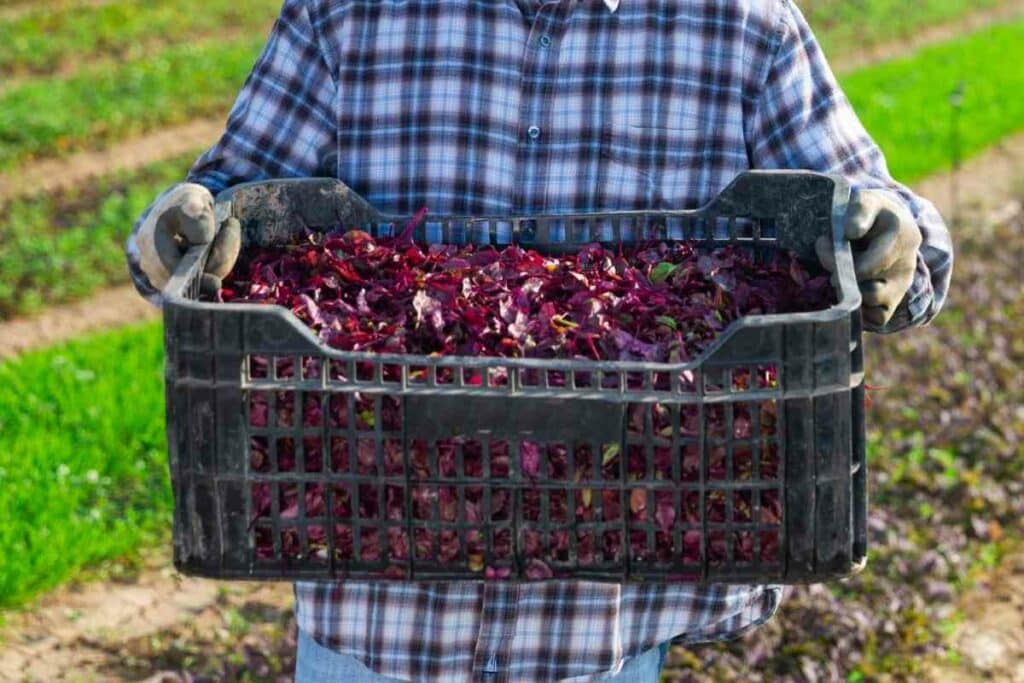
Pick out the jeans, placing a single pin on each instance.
(315, 664)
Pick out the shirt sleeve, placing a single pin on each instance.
(282, 124)
(803, 120)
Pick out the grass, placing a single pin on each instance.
(44, 40)
(83, 462)
(62, 247)
(105, 103)
(905, 103)
(846, 26)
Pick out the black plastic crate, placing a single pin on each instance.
(412, 468)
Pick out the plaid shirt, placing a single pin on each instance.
(516, 107)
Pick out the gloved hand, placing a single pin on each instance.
(885, 240)
(181, 218)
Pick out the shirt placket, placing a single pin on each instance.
(538, 76)
(497, 623)
(493, 654)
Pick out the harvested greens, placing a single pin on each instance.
(661, 302)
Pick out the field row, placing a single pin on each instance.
(43, 41)
(83, 459)
(99, 105)
(45, 35)
(905, 104)
(62, 247)
(847, 26)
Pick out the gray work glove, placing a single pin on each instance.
(181, 218)
(885, 240)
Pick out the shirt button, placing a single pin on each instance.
(545, 41)
(533, 132)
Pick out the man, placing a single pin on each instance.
(518, 107)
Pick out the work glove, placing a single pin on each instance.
(885, 239)
(181, 218)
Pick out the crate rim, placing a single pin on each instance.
(175, 293)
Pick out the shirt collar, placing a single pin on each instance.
(612, 5)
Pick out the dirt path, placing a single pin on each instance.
(932, 35)
(986, 182)
(108, 309)
(53, 174)
(19, 9)
(990, 641)
(132, 629)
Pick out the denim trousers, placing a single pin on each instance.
(316, 664)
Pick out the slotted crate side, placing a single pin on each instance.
(216, 512)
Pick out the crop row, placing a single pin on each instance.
(105, 103)
(83, 460)
(49, 34)
(846, 26)
(57, 248)
(905, 104)
(43, 40)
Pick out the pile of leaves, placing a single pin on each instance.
(655, 302)
(590, 492)
(661, 302)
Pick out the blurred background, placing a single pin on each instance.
(103, 103)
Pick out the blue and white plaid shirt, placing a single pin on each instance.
(516, 107)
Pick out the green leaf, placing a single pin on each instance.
(662, 272)
(667, 322)
(610, 452)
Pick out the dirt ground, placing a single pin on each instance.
(48, 175)
(990, 641)
(19, 8)
(138, 626)
(108, 309)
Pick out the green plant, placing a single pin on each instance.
(846, 26)
(45, 39)
(83, 461)
(904, 104)
(108, 102)
(62, 247)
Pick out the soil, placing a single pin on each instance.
(108, 309)
(49, 175)
(133, 628)
(986, 183)
(990, 642)
(17, 9)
